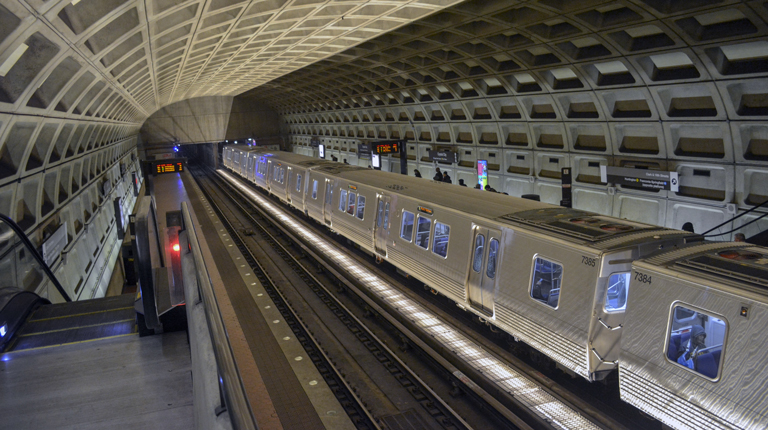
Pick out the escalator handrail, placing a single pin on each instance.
(234, 393)
(19, 232)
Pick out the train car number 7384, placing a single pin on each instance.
(642, 277)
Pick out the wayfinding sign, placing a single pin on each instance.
(646, 179)
(444, 156)
(55, 244)
(364, 150)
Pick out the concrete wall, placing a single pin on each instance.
(198, 120)
(252, 119)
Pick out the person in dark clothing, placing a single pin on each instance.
(447, 178)
(416, 173)
(461, 182)
(688, 355)
(478, 187)
(488, 187)
(438, 175)
(688, 227)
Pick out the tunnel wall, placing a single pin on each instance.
(539, 86)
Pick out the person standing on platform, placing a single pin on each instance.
(438, 175)
(461, 183)
(739, 237)
(416, 173)
(447, 178)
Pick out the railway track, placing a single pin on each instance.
(509, 412)
(370, 399)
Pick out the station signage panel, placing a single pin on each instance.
(55, 244)
(384, 148)
(444, 156)
(639, 178)
(364, 150)
(169, 167)
(314, 141)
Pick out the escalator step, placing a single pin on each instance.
(84, 306)
(37, 325)
(72, 335)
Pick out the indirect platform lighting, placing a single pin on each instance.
(12, 59)
(526, 391)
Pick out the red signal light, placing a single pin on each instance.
(176, 247)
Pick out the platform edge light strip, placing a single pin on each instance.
(539, 401)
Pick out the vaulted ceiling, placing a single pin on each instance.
(124, 59)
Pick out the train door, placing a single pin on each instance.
(382, 225)
(328, 202)
(288, 184)
(483, 266)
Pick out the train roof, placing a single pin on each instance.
(577, 226)
(599, 231)
(735, 263)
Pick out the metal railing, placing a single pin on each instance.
(231, 386)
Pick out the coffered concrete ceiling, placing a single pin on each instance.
(124, 59)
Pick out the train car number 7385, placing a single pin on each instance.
(591, 262)
(642, 277)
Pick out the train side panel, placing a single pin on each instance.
(446, 274)
(353, 212)
(531, 304)
(318, 183)
(722, 384)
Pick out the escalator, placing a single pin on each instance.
(29, 320)
(71, 322)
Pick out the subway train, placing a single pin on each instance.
(683, 320)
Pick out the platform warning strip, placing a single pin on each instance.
(525, 390)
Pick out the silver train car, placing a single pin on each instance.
(591, 292)
(694, 344)
(552, 277)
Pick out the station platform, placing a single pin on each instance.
(282, 385)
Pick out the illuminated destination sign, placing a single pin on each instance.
(169, 167)
(388, 148)
(425, 210)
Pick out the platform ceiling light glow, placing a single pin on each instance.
(509, 380)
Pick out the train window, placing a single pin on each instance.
(406, 230)
(360, 206)
(314, 189)
(545, 282)
(328, 192)
(422, 232)
(616, 294)
(298, 182)
(342, 200)
(440, 241)
(477, 260)
(493, 253)
(697, 343)
(351, 205)
(282, 176)
(386, 216)
(379, 214)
